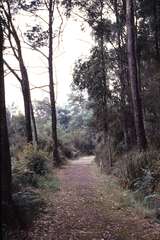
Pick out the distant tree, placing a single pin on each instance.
(63, 117)
(43, 110)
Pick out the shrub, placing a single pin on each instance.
(28, 166)
(37, 162)
(65, 150)
(27, 205)
(139, 167)
(51, 183)
(34, 160)
(24, 179)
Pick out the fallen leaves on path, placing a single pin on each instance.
(82, 210)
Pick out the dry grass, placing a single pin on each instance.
(117, 198)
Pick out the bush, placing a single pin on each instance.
(27, 205)
(29, 165)
(37, 162)
(65, 150)
(24, 179)
(34, 160)
(135, 164)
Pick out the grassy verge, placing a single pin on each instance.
(116, 198)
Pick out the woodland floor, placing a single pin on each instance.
(83, 210)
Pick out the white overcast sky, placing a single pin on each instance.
(75, 43)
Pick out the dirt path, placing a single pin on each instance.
(82, 211)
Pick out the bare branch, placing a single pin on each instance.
(36, 15)
(38, 87)
(12, 71)
(35, 87)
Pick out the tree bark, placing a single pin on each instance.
(5, 165)
(56, 158)
(156, 12)
(27, 106)
(34, 126)
(32, 112)
(25, 89)
(132, 66)
(105, 88)
(121, 78)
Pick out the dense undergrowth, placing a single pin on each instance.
(139, 172)
(33, 175)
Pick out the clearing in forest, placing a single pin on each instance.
(84, 209)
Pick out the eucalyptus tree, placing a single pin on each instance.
(119, 12)
(132, 68)
(51, 6)
(15, 44)
(37, 41)
(94, 13)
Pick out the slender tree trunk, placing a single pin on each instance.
(27, 105)
(34, 126)
(132, 128)
(132, 65)
(23, 70)
(110, 151)
(32, 112)
(5, 164)
(105, 91)
(156, 12)
(25, 91)
(56, 158)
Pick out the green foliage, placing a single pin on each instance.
(37, 162)
(73, 123)
(33, 159)
(24, 179)
(49, 182)
(137, 164)
(28, 166)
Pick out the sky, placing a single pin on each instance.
(74, 43)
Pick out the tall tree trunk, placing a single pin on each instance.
(5, 165)
(156, 12)
(132, 66)
(105, 87)
(56, 158)
(121, 77)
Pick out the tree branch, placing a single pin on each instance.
(12, 71)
